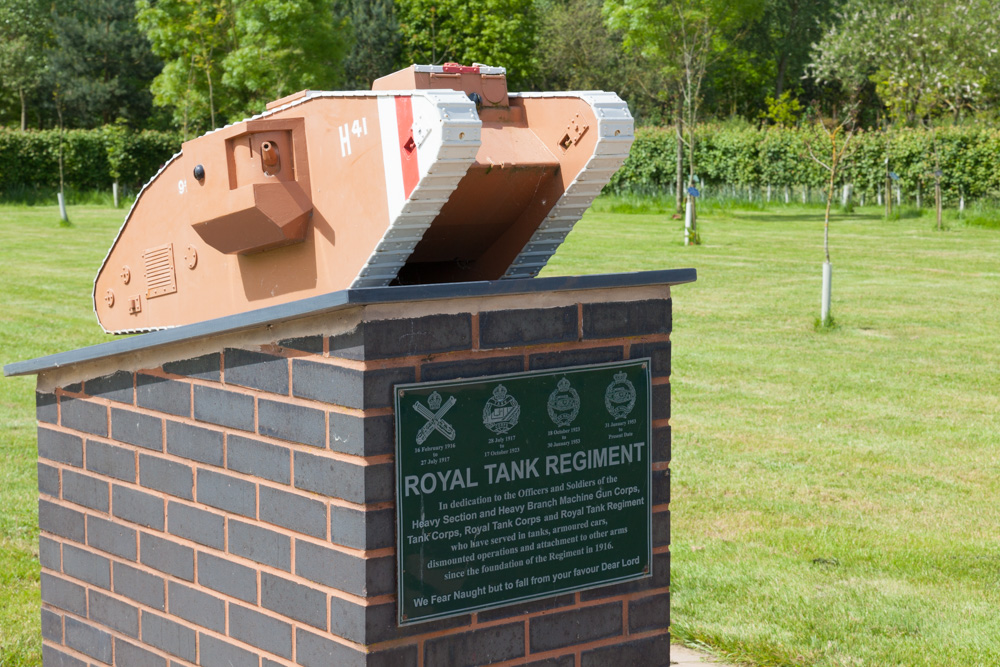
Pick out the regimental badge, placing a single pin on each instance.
(501, 411)
(619, 399)
(435, 417)
(564, 403)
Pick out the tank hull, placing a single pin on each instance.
(329, 191)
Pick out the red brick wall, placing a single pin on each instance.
(236, 508)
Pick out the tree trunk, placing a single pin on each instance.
(24, 110)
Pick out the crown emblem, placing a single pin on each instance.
(434, 401)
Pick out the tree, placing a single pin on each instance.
(492, 32)
(22, 43)
(375, 42)
(924, 56)
(681, 38)
(230, 59)
(101, 63)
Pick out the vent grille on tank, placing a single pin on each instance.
(160, 276)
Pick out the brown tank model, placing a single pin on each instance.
(436, 175)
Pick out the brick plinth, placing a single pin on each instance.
(231, 502)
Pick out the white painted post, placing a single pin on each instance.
(845, 197)
(788, 195)
(688, 220)
(824, 311)
(899, 196)
(880, 197)
(768, 193)
(961, 202)
(114, 193)
(805, 194)
(62, 207)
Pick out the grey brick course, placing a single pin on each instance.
(575, 627)
(649, 652)
(372, 529)
(61, 447)
(46, 407)
(196, 606)
(545, 604)
(338, 479)
(377, 623)
(312, 650)
(632, 318)
(52, 626)
(566, 358)
(661, 401)
(313, 344)
(409, 336)
(53, 657)
(163, 395)
(139, 586)
(166, 556)
(515, 328)
(452, 370)
(113, 613)
(82, 415)
(49, 553)
(105, 459)
(256, 370)
(227, 493)
(115, 387)
(649, 613)
(261, 631)
(293, 600)
(137, 507)
(292, 511)
(88, 640)
(168, 636)
(196, 524)
(658, 353)
(362, 436)
(62, 521)
(86, 490)
(195, 443)
(111, 537)
(217, 653)
(205, 367)
(661, 444)
(128, 654)
(478, 647)
(661, 529)
(167, 476)
(661, 486)
(64, 594)
(327, 383)
(137, 429)
(225, 408)
(294, 423)
(260, 544)
(345, 386)
(564, 661)
(360, 576)
(48, 480)
(87, 566)
(227, 577)
(260, 459)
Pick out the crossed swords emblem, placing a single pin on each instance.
(435, 421)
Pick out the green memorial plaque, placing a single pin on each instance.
(517, 487)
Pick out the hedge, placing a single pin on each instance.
(724, 155)
(969, 158)
(92, 159)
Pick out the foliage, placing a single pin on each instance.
(783, 111)
(492, 32)
(925, 56)
(22, 39)
(375, 42)
(93, 158)
(100, 63)
(230, 59)
(743, 155)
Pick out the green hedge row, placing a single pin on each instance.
(969, 158)
(92, 159)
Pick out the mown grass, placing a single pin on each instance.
(834, 493)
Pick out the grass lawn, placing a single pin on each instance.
(835, 493)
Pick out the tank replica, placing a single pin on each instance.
(436, 175)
